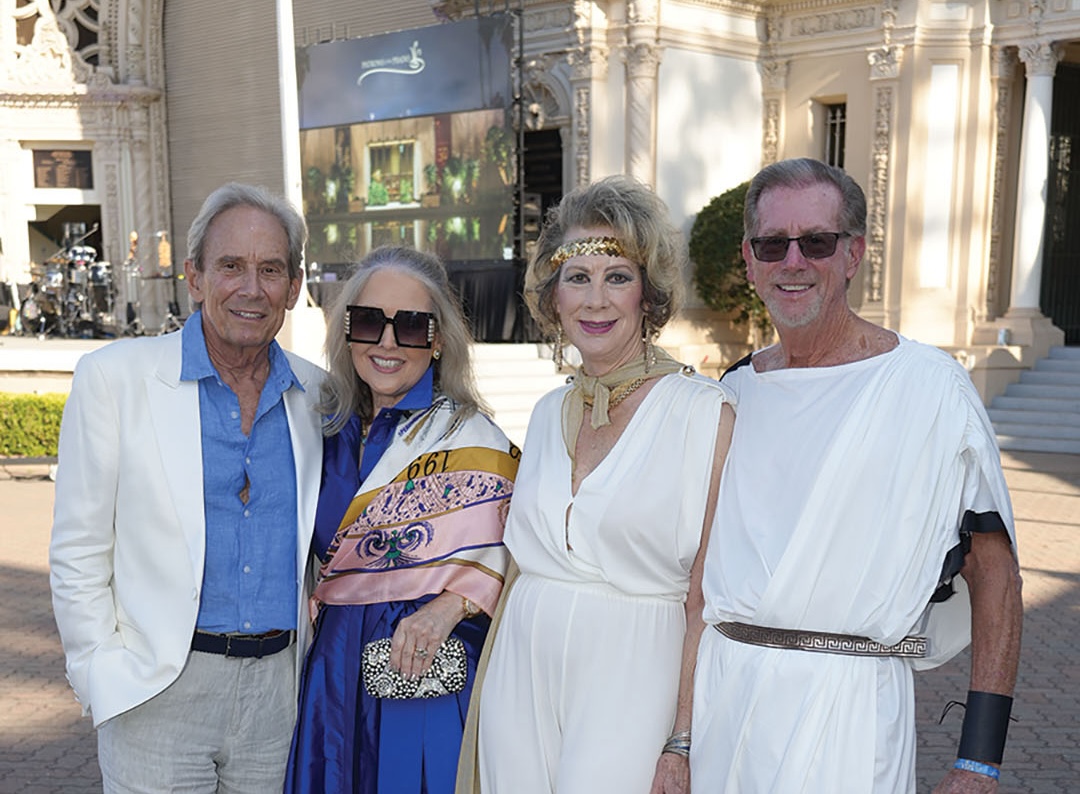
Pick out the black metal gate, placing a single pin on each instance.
(1060, 299)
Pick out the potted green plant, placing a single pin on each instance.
(377, 195)
(719, 269)
(431, 178)
(498, 151)
(314, 186)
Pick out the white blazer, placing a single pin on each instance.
(129, 537)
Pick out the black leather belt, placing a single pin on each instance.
(243, 646)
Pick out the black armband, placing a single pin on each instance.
(986, 722)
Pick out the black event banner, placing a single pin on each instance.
(449, 68)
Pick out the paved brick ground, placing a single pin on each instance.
(47, 748)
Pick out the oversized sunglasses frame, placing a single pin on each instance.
(803, 241)
(392, 321)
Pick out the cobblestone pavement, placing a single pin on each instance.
(46, 747)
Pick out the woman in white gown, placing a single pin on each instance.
(589, 683)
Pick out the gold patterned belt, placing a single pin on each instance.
(820, 641)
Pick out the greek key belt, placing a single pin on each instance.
(820, 641)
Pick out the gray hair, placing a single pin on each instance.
(641, 223)
(344, 393)
(236, 194)
(806, 172)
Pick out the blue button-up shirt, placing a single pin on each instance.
(249, 576)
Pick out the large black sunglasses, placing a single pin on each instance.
(816, 245)
(411, 329)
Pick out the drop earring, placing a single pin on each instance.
(647, 334)
(557, 352)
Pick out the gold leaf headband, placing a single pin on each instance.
(586, 246)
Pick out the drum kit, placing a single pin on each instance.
(71, 294)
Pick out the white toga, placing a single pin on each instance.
(845, 488)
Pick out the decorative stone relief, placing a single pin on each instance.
(155, 45)
(548, 19)
(833, 22)
(1004, 61)
(47, 59)
(541, 105)
(774, 74)
(160, 164)
(880, 165)
(135, 54)
(774, 71)
(1041, 57)
(1036, 10)
(642, 12)
(581, 134)
(885, 62)
(642, 61)
(582, 21)
(64, 47)
(588, 63)
(770, 142)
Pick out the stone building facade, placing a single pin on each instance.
(956, 116)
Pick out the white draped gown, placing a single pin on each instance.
(581, 690)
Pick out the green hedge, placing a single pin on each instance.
(30, 424)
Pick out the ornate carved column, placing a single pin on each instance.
(588, 64)
(884, 78)
(773, 72)
(642, 57)
(1004, 61)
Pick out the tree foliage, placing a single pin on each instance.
(719, 270)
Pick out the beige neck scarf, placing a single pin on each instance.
(607, 391)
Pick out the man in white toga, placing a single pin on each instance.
(863, 531)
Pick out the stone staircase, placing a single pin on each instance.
(1041, 413)
(511, 378)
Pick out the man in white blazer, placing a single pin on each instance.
(188, 475)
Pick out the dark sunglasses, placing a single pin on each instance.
(411, 329)
(816, 245)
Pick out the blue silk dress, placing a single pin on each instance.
(345, 740)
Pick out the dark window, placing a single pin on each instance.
(835, 133)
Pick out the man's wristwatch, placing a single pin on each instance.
(471, 610)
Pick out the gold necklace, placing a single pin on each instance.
(618, 394)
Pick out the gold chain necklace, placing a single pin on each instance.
(619, 393)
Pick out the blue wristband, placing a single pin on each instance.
(978, 767)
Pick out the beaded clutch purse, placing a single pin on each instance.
(446, 676)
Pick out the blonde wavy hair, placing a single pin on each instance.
(641, 223)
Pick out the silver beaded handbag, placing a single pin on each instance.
(446, 676)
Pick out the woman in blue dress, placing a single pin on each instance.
(415, 489)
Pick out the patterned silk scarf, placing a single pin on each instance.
(429, 518)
